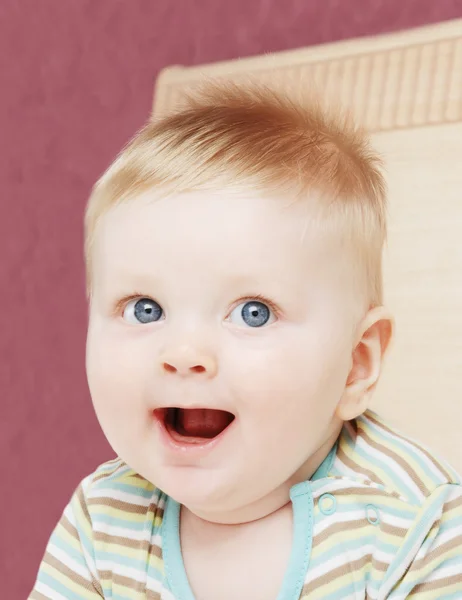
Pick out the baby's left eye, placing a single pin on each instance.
(252, 313)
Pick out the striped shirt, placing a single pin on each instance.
(380, 519)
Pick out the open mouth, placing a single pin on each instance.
(194, 425)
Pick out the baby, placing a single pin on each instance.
(236, 335)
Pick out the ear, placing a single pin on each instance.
(372, 341)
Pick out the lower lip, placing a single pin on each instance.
(189, 448)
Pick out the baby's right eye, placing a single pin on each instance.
(142, 311)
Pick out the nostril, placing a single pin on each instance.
(186, 368)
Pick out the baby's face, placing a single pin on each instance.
(219, 345)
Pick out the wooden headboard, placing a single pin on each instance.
(406, 88)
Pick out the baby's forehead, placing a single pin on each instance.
(226, 208)
(217, 240)
(220, 220)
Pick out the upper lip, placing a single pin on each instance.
(192, 405)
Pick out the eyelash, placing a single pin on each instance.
(122, 303)
(259, 298)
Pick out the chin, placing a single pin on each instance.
(198, 489)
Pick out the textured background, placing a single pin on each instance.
(76, 80)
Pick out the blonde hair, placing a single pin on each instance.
(250, 137)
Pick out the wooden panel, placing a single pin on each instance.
(400, 80)
(407, 89)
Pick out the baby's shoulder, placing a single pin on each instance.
(114, 491)
(377, 454)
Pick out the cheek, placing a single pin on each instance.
(292, 372)
(116, 371)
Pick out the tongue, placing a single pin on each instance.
(201, 422)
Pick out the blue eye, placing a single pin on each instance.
(142, 311)
(252, 314)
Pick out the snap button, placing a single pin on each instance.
(373, 515)
(327, 504)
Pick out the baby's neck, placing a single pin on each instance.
(246, 560)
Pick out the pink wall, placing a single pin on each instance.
(76, 80)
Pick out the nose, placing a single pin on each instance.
(186, 361)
